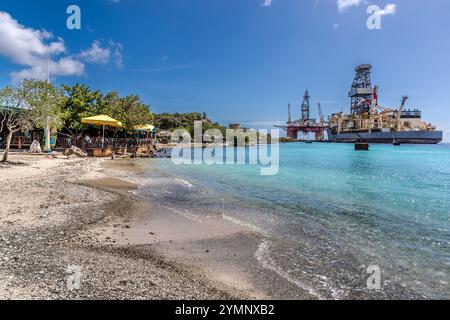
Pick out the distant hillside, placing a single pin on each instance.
(172, 121)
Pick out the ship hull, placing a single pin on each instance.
(405, 137)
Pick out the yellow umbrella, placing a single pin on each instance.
(147, 127)
(102, 120)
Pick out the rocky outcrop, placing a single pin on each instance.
(162, 153)
(164, 136)
(74, 151)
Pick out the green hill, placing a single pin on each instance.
(173, 121)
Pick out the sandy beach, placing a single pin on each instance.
(46, 214)
(60, 215)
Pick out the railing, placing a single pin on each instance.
(83, 143)
(114, 143)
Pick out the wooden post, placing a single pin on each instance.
(361, 146)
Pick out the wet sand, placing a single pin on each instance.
(225, 252)
(60, 214)
(46, 218)
(232, 256)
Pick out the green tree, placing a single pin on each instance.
(172, 121)
(130, 110)
(135, 112)
(46, 103)
(81, 102)
(14, 116)
(111, 105)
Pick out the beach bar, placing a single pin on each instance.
(141, 143)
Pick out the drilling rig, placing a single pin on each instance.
(305, 108)
(306, 128)
(368, 121)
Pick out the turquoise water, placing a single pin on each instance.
(331, 212)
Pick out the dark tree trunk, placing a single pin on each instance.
(8, 146)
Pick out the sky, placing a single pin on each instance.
(240, 61)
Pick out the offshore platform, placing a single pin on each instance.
(370, 122)
(367, 122)
(306, 128)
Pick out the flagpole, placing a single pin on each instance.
(47, 146)
(103, 138)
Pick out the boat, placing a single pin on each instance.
(370, 122)
(402, 137)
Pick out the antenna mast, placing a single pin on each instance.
(321, 114)
(48, 70)
(289, 113)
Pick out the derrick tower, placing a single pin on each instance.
(305, 107)
(361, 92)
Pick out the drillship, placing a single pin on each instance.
(372, 123)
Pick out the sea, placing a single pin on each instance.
(337, 223)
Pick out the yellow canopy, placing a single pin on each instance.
(102, 120)
(147, 127)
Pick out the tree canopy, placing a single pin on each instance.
(173, 121)
(64, 107)
(32, 104)
(82, 102)
(45, 102)
(130, 110)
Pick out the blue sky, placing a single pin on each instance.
(238, 60)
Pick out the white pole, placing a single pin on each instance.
(47, 147)
(48, 70)
(103, 138)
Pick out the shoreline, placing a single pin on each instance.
(59, 213)
(63, 213)
(226, 252)
(40, 242)
(311, 266)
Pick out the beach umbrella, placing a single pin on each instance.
(146, 128)
(102, 120)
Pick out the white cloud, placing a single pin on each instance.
(98, 54)
(389, 9)
(118, 54)
(38, 51)
(335, 26)
(343, 5)
(64, 67)
(267, 3)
